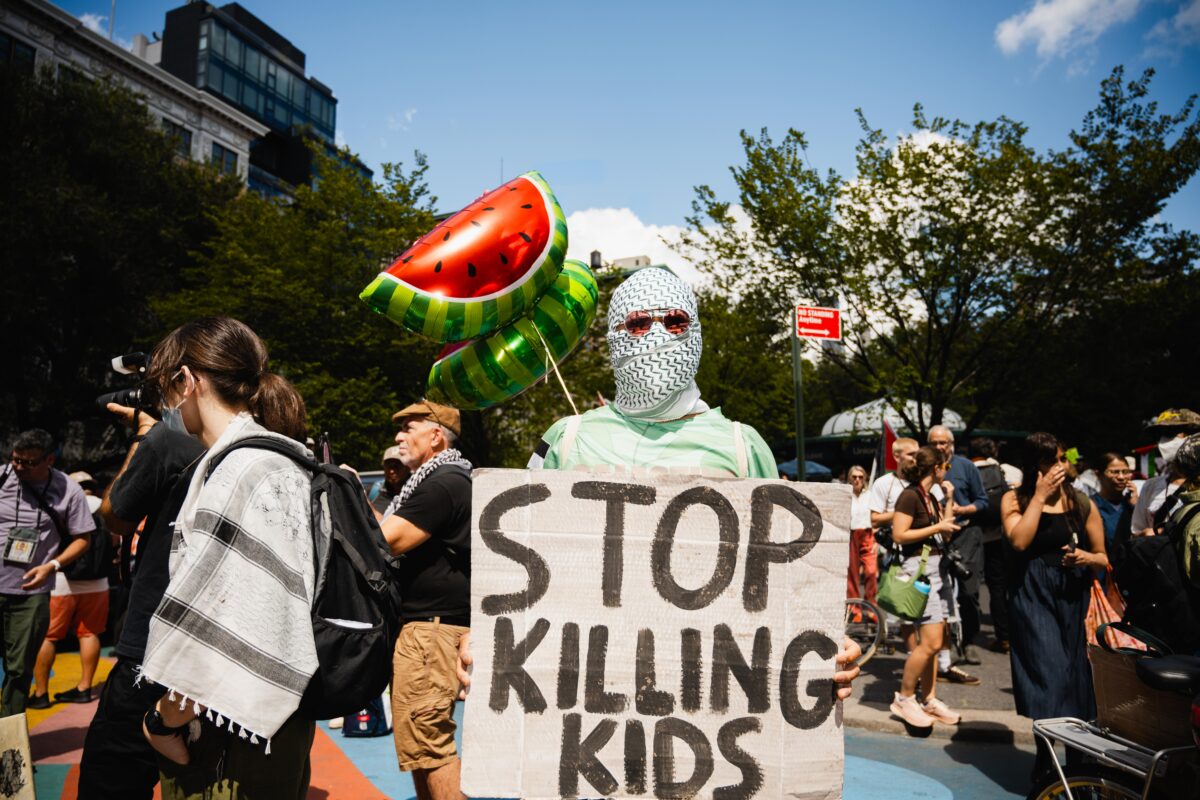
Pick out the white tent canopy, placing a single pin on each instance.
(867, 419)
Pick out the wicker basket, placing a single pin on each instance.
(1150, 717)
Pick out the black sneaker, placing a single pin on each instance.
(38, 701)
(74, 696)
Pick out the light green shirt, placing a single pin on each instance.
(1189, 541)
(705, 444)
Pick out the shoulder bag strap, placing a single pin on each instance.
(739, 442)
(567, 443)
(924, 560)
(63, 534)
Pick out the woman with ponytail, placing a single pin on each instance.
(231, 643)
(1057, 541)
(921, 526)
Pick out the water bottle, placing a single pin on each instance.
(922, 585)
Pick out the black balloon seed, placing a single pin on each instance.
(447, 236)
(476, 224)
(525, 236)
(503, 259)
(489, 208)
(407, 260)
(527, 205)
(470, 269)
(437, 267)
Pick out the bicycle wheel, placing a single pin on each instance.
(1089, 782)
(864, 624)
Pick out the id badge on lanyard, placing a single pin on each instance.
(22, 544)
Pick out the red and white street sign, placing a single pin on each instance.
(814, 322)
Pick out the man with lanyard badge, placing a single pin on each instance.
(44, 526)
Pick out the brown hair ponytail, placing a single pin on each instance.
(278, 406)
(234, 360)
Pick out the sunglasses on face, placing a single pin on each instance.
(638, 323)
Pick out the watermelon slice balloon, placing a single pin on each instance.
(491, 370)
(480, 269)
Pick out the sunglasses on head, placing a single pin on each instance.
(638, 323)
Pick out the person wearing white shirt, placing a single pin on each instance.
(887, 487)
(1172, 427)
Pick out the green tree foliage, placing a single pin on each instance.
(958, 250)
(293, 270)
(98, 214)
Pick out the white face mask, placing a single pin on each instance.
(655, 372)
(1168, 447)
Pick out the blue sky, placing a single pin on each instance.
(625, 106)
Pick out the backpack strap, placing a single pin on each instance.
(739, 442)
(567, 443)
(262, 443)
(1170, 527)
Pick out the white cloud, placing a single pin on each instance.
(1060, 26)
(401, 122)
(339, 138)
(618, 233)
(96, 23)
(1179, 31)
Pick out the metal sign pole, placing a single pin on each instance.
(797, 386)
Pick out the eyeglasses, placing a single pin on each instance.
(638, 323)
(27, 462)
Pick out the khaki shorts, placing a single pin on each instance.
(424, 688)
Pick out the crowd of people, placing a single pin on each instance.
(1041, 535)
(217, 644)
(216, 647)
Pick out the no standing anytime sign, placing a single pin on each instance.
(814, 322)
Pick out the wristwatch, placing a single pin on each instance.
(154, 724)
(54, 562)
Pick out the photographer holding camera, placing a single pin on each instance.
(44, 526)
(117, 761)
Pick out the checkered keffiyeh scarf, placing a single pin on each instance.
(449, 457)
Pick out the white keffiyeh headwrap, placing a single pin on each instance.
(655, 373)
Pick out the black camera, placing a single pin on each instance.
(958, 564)
(134, 396)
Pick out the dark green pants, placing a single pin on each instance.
(24, 619)
(224, 766)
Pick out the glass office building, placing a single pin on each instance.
(235, 56)
(260, 85)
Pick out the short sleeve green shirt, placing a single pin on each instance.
(705, 443)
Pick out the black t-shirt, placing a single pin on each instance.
(918, 504)
(153, 485)
(435, 577)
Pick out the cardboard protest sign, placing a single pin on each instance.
(671, 636)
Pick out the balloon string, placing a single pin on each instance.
(554, 364)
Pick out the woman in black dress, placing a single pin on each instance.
(1057, 539)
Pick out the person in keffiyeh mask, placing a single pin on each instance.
(655, 343)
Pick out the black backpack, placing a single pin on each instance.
(353, 584)
(97, 561)
(1158, 596)
(994, 486)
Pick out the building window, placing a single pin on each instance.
(181, 135)
(16, 54)
(224, 159)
